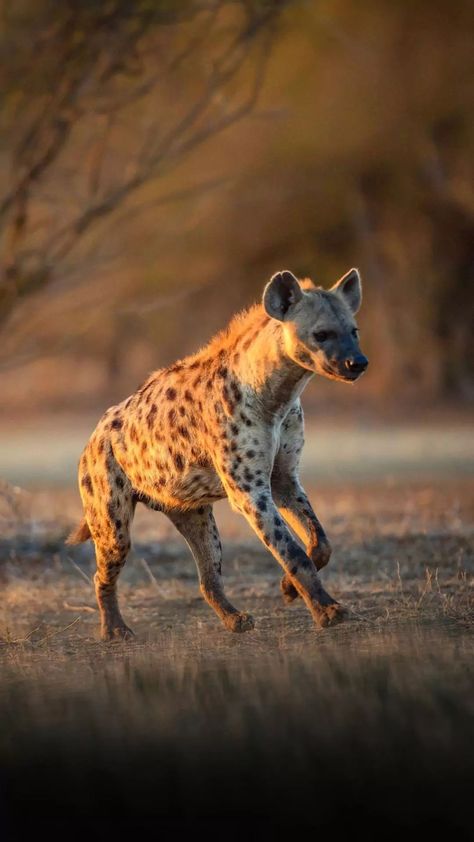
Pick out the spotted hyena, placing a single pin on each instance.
(225, 422)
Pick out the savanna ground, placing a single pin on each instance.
(365, 728)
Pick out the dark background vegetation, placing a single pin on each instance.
(160, 160)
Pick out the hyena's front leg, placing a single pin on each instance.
(199, 529)
(261, 512)
(295, 507)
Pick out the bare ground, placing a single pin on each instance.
(403, 552)
(187, 711)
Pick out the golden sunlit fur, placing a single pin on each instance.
(225, 422)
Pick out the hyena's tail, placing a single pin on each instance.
(80, 534)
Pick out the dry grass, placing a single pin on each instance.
(195, 725)
(402, 552)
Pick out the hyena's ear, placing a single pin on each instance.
(281, 294)
(349, 287)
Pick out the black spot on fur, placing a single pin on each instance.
(234, 429)
(183, 431)
(119, 482)
(116, 424)
(178, 461)
(188, 396)
(277, 535)
(170, 394)
(229, 404)
(304, 358)
(150, 419)
(262, 503)
(236, 391)
(172, 417)
(86, 483)
(250, 454)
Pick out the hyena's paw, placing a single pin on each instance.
(239, 622)
(329, 615)
(116, 633)
(288, 590)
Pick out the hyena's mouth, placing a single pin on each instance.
(342, 376)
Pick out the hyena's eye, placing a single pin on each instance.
(321, 335)
(355, 332)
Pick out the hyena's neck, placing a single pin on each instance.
(265, 367)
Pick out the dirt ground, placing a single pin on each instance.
(403, 552)
(382, 703)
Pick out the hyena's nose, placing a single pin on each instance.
(357, 364)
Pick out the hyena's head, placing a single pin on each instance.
(319, 328)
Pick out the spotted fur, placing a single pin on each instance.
(225, 422)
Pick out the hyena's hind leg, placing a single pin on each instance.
(199, 529)
(110, 560)
(109, 505)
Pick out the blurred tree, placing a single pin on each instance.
(360, 152)
(98, 99)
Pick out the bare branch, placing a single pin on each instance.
(105, 71)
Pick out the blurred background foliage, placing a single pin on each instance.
(160, 160)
